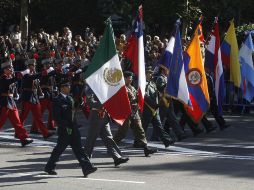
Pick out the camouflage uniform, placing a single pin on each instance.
(134, 121)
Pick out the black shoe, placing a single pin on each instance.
(136, 145)
(169, 142)
(224, 126)
(155, 139)
(210, 129)
(26, 142)
(48, 135)
(86, 172)
(50, 172)
(148, 151)
(121, 160)
(34, 132)
(51, 128)
(197, 132)
(182, 137)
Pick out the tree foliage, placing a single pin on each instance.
(159, 15)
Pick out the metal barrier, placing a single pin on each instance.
(234, 99)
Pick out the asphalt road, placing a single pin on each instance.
(222, 160)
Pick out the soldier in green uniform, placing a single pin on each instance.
(151, 111)
(166, 107)
(134, 120)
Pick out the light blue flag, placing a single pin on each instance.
(247, 68)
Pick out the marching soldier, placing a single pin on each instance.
(46, 85)
(213, 105)
(166, 107)
(59, 72)
(68, 133)
(99, 125)
(8, 105)
(151, 112)
(134, 120)
(77, 83)
(30, 98)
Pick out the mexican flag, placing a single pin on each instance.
(105, 77)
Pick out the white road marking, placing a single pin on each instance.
(218, 145)
(113, 180)
(14, 175)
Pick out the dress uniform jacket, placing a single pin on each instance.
(68, 133)
(7, 89)
(9, 108)
(46, 84)
(29, 86)
(63, 112)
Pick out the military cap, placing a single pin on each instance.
(6, 64)
(58, 61)
(149, 69)
(45, 61)
(128, 74)
(64, 82)
(31, 62)
(77, 60)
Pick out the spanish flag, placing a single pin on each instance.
(230, 55)
(196, 79)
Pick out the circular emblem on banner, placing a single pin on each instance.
(112, 76)
(194, 77)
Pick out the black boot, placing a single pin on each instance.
(26, 142)
(89, 170)
(121, 160)
(50, 171)
(168, 142)
(222, 127)
(148, 151)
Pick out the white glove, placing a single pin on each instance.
(25, 72)
(78, 71)
(41, 96)
(50, 69)
(16, 97)
(66, 66)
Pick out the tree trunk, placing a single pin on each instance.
(185, 22)
(24, 19)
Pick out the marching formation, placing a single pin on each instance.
(116, 81)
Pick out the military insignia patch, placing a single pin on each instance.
(112, 76)
(194, 77)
